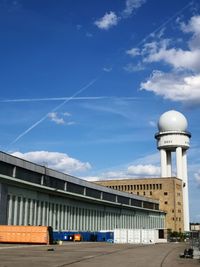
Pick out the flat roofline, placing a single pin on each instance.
(137, 179)
(27, 165)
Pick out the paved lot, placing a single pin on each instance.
(95, 255)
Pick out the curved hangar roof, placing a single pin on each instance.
(172, 121)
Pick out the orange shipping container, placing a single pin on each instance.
(77, 237)
(24, 234)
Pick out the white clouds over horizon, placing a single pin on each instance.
(130, 172)
(111, 19)
(55, 160)
(144, 167)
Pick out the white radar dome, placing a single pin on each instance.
(172, 121)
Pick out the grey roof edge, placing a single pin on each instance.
(43, 170)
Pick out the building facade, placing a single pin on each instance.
(31, 194)
(168, 191)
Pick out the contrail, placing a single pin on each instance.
(53, 110)
(163, 24)
(20, 100)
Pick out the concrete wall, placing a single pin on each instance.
(28, 207)
(35, 195)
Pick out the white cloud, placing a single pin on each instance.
(111, 19)
(134, 67)
(131, 172)
(132, 5)
(70, 123)
(107, 21)
(193, 25)
(107, 69)
(144, 167)
(54, 117)
(134, 171)
(67, 114)
(174, 86)
(89, 35)
(59, 119)
(144, 170)
(55, 160)
(177, 58)
(182, 81)
(133, 52)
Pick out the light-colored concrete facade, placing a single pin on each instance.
(31, 194)
(168, 191)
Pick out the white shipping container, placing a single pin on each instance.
(134, 236)
(137, 236)
(120, 236)
(148, 236)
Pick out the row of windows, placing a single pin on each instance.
(179, 211)
(137, 187)
(176, 219)
(53, 182)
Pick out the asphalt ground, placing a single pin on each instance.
(95, 255)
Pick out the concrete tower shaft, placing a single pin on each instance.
(174, 137)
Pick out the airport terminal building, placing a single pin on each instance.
(32, 194)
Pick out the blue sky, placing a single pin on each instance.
(83, 84)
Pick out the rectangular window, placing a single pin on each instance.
(165, 193)
(156, 186)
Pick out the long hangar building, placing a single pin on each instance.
(31, 194)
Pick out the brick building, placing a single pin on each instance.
(167, 190)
